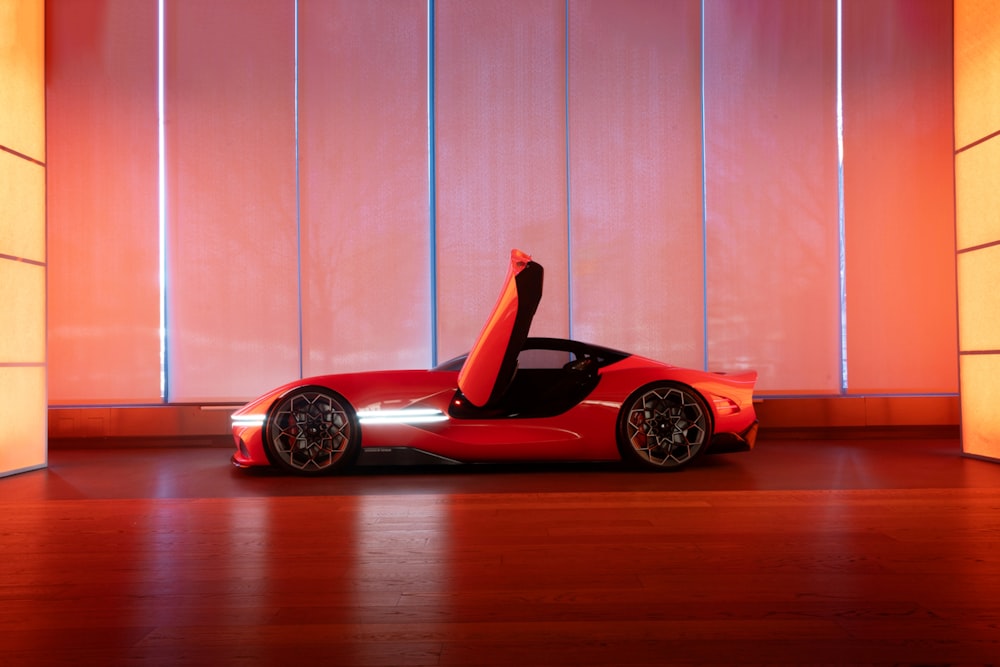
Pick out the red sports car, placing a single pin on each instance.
(512, 398)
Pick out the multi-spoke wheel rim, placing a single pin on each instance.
(667, 426)
(310, 430)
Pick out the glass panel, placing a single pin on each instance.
(979, 307)
(500, 94)
(635, 177)
(528, 359)
(977, 186)
(772, 212)
(232, 250)
(977, 70)
(977, 101)
(24, 417)
(365, 222)
(22, 317)
(23, 442)
(980, 397)
(899, 197)
(103, 246)
(22, 64)
(22, 220)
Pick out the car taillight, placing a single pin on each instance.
(725, 406)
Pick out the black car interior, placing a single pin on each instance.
(552, 375)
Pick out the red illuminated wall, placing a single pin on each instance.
(232, 241)
(899, 197)
(500, 158)
(343, 182)
(103, 320)
(773, 298)
(635, 165)
(365, 222)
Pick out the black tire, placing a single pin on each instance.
(312, 431)
(664, 426)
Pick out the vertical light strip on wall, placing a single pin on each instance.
(161, 191)
(841, 227)
(432, 182)
(704, 203)
(569, 214)
(298, 181)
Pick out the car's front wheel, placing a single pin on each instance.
(312, 431)
(664, 426)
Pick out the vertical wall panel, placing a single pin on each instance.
(22, 98)
(980, 397)
(23, 444)
(22, 186)
(771, 159)
(23, 434)
(977, 70)
(22, 317)
(233, 311)
(104, 286)
(979, 317)
(979, 331)
(635, 177)
(977, 136)
(977, 202)
(364, 185)
(500, 94)
(899, 197)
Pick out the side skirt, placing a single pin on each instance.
(389, 456)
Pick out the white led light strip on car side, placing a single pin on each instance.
(251, 420)
(404, 416)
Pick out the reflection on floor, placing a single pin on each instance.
(852, 550)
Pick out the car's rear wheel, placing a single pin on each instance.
(664, 426)
(312, 431)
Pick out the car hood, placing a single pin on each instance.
(490, 366)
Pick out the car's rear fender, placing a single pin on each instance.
(730, 395)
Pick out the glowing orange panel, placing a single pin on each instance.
(979, 307)
(22, 210)
(232, 252)
(366, 300)
(22, 64)
(500, 92)
(977, 99)
(23, 414)
(771, 189)
(635, 177)
(899, 197)
(977, 70)
(977, 190)
(104, 342)
(22, 317)
(980, 397)
(22, 237)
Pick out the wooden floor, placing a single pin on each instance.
(806, 551)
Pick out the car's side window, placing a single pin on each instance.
(544, 358)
